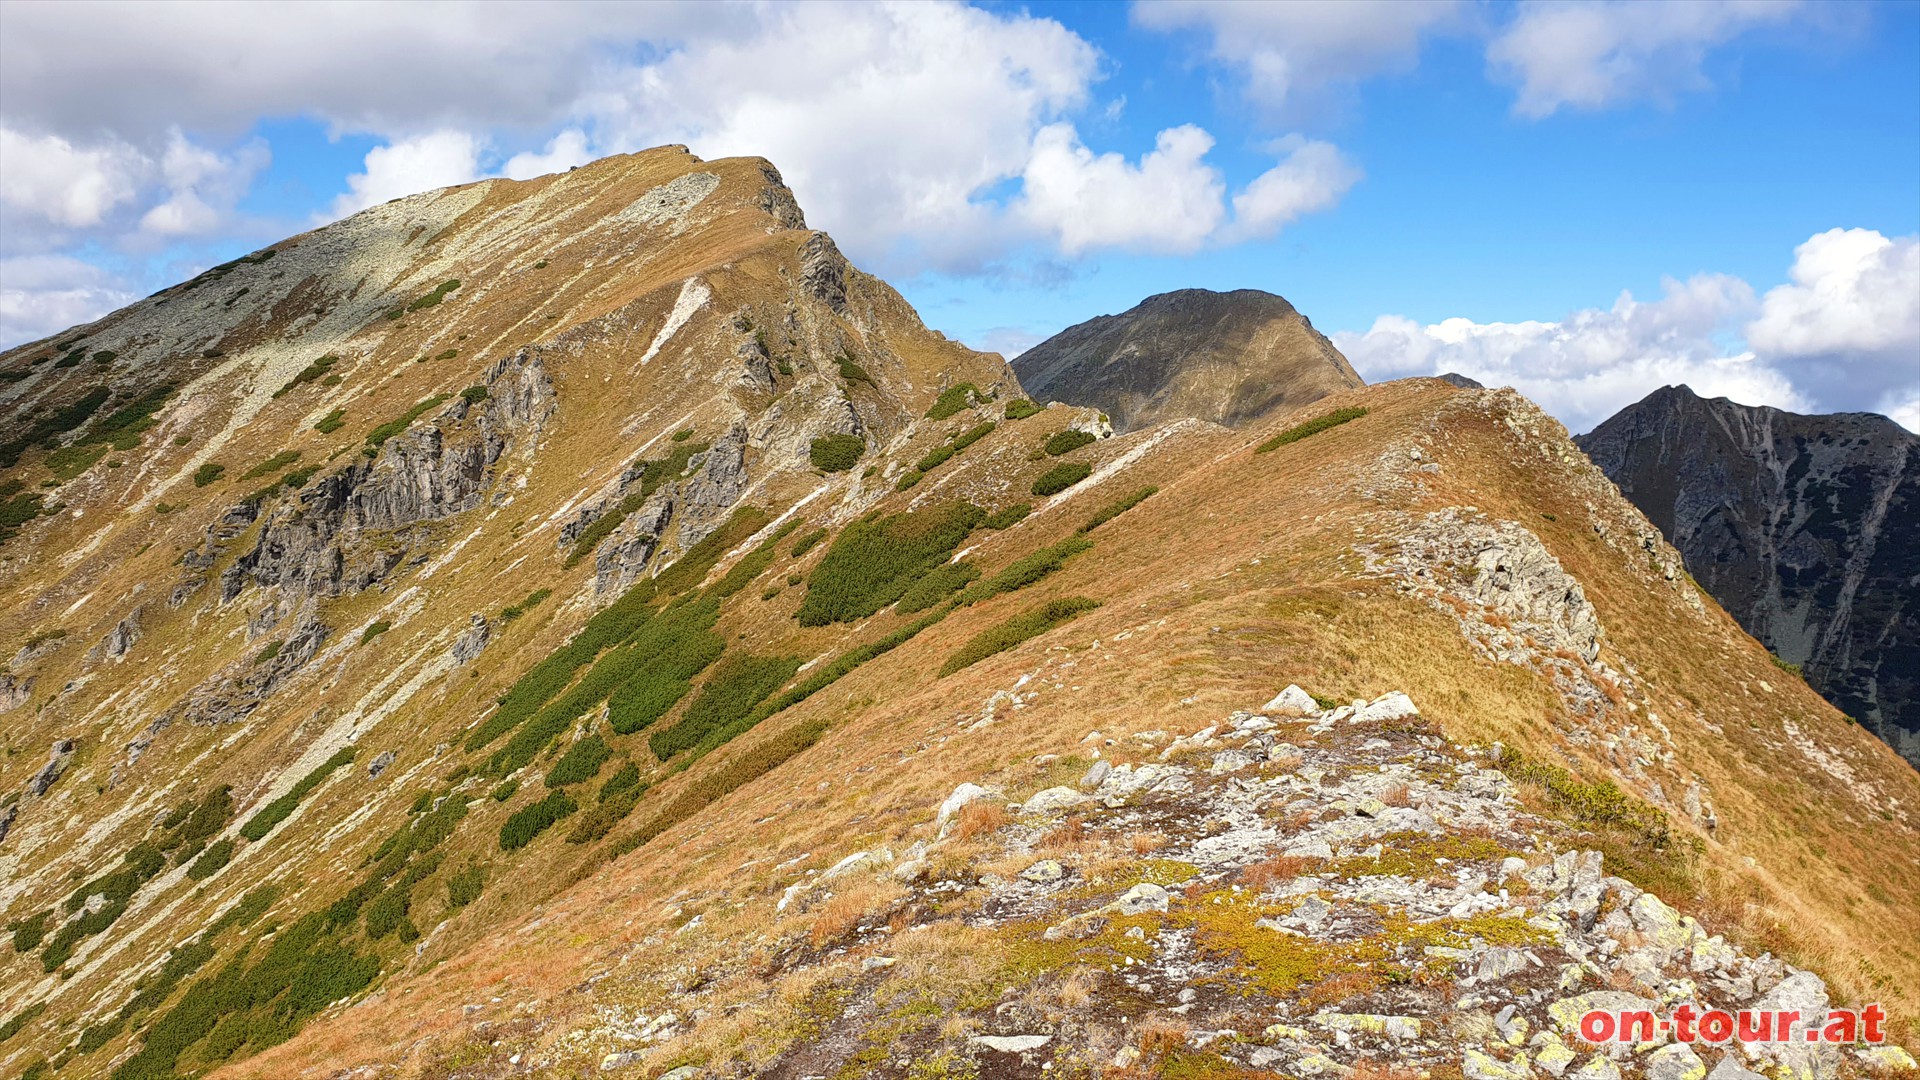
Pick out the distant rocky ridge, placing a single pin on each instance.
(1805, 528)
(1226, 357)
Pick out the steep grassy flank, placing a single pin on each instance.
(874, 560)
(652, 475)
(277, 811)
(1020, 628)
(1117, 507)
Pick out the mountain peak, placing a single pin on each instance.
(1226, 357)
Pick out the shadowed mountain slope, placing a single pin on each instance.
(1806, 528)
(1192, 354)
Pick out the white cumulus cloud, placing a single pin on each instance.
(563, 152)
(49, 178)
(407, 166)
(1171, 201)
(1313, 176)
(1849, 320)
(1587, 366)
(1284, 50)
(1842, 335)
(44, 294)
(1598, 53)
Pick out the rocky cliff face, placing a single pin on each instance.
(1193, 354)
(1805, 528)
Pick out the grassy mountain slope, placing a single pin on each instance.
(506, 729)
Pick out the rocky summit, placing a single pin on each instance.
(1806, 528)
(586, 626)
(1195, 354)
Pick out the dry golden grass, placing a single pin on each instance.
(979, 818)
(1267, 873)
(855, 903)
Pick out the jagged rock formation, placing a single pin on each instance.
(1805, 528)
(1226, 357)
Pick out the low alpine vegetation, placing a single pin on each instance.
(311, 373)
(1014, 631)
(874, 560)
(1117, 507)
(1061, 477)
(836, 453)
(1021, 408)
(952, 400)
(1312, 427)
(1066, 442)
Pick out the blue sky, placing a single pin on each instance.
(1585, 200)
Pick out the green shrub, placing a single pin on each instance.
(806, 543)
(211, 860)
(533, 600)
(952, 400)
(737, 685)
(504, 789)
(1066, 442)
(624, 778)
(384, 914)
(464, 886)
(263, 821)
(534, 819)
(474, 395)
(836, 453)
(27, 933)
(374, 630)
(67, 462)
(271, 650)
(273, 464)
(332, 422)
(852, 372)
(751, 565)
(1028, 569)
(936, 585)
(1312, 427)
(580, 763)
(1117, 507)
(438, 294)
(1791, 669)
(1007, 516)
(873, 561)
(19, 510)
(307, 374)
(1021, 408)
(908, 479)
(1061, 477)
(59, 421)
(939, 455)
(1014, 631)
(388, 430)
(449, 354)
(208, 473)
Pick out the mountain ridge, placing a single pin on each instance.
(701, 573)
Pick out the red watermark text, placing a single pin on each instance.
(1688, 1024)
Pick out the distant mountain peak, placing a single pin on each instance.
(1227, 357)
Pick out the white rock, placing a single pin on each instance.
(1597, 1068)
(1051, 800)
(1730, 1069)
(1675, 1062)
(619, 1060)
(1292, 701)
(1096, 775)
(1391, 706)
(1143, 897)
(956, 802)
(1011, 1044)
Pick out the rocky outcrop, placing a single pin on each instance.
(473, 640)
(1226, 357)
(233, 694)
(120, 639)
(49, 774)
(1350, 845)
(348, 529)
(1805, 528)
(823, 272)
(14, 690)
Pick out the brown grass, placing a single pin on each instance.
(978, 818)
(1263, 875)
